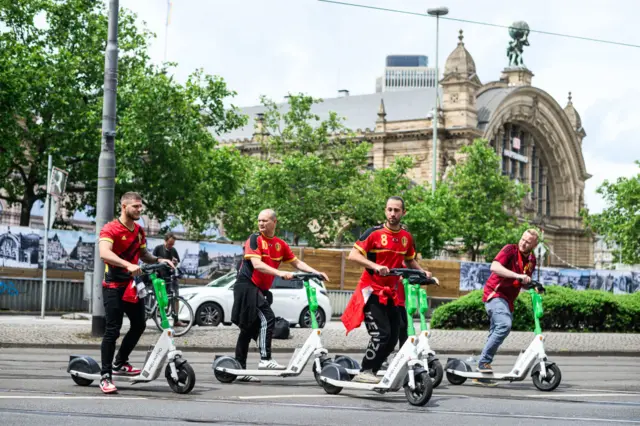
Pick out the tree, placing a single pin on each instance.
(619, 222)
(311, 167)
(51, 83)
(484, 199)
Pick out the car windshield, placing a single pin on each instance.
(224, 280)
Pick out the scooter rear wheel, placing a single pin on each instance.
(422, 392)
(186, 378)
(436, 372)
(454, 379)
(81, 381)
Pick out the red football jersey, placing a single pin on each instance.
(273, 251)
(508, 288)
(127, 244)
(388, 248)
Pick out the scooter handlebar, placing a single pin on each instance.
(304, 276)
(148, 269)
(415, 276)
(536, 285)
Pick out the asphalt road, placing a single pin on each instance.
(36, 390)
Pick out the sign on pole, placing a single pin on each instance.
(56, 184)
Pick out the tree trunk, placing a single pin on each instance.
(25, 212)
(296, 238)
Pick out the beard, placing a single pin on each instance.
(132, 215)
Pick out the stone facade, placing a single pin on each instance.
(539, 141)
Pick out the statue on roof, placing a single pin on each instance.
(519, 33)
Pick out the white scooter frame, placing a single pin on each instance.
(179, 374)
(227, 368)
(405, 370)
(546, 375)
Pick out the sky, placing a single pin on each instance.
(273, 47)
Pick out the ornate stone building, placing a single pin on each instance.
(539, 141)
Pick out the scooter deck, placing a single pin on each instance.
(478, 375)
(259, 372)
(116, 377)
(354, 385)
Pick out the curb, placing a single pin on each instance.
(231, 349)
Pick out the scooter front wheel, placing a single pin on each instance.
(186, 378)
(422, 392)
(552, 379)
(81, 381)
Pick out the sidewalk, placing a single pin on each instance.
(56, 332)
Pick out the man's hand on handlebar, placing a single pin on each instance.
(382, 270)
(167, 261)
(285, 275)
(524, 279)
(134, 269)
(325, 277)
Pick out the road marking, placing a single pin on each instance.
(609, 391)
(576, 395)
(68, 397)
(464, 413)
(285, 396)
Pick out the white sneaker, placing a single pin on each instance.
(269, 364)
(249, 379)
(366, 377)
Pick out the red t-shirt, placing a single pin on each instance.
(508, 288)
(388, 248)
(127, 244)
(273, 251)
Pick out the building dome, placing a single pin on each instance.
(460, 60)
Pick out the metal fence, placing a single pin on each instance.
(339, 300)
(25, 294)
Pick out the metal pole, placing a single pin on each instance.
(435, 115)
(106, 164)
(47, 213)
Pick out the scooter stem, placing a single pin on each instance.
(410, 302)
(424, 306)
(313, 303)
(161, 297)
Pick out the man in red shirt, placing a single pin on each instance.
(375, 300)
(511, 270)
(122, 244)
(251, 312)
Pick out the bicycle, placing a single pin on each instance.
(180, 321)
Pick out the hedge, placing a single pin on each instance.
(564, 310)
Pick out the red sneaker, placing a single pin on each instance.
(126, 369)
(107, 386)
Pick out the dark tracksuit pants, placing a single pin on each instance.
(114, 310)
(383, 324)
(261, 329)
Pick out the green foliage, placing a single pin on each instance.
(484, 198)
(619, 222)
(564, 310)
(51, 97)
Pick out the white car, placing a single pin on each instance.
(212, 303)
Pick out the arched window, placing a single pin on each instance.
(522, 161)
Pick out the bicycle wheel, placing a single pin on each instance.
(181, 320)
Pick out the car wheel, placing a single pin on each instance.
(209, 314)
(305, 318)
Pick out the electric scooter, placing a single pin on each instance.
(227, 368)
(179, 374)
(546, 375)
(425, 353)
(406, 369)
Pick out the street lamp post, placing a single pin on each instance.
(437, 12)
(106, 163)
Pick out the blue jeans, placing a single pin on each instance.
(501, 317)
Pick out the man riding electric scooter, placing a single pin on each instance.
(375, 300)
(511, 270)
